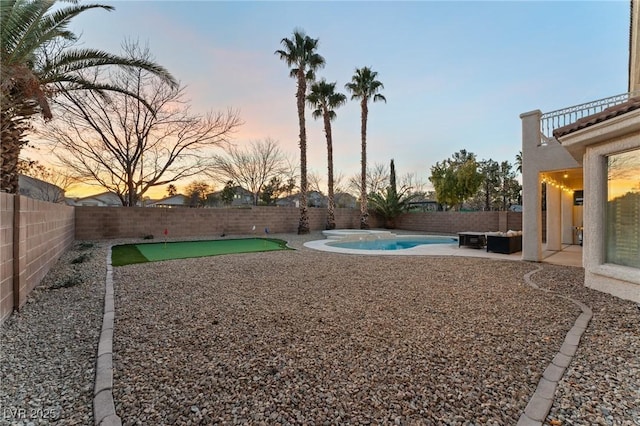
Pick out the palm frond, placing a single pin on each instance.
(80, 59)
(30, 26)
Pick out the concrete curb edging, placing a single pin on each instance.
(104, 410)
(540, 403)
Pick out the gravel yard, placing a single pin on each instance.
(602, 384)
(48, 349)
(311, 337)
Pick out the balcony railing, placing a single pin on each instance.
(565, 116)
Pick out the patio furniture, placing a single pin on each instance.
(472, 239)
(506, 244)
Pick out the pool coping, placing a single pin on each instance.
(420, 250)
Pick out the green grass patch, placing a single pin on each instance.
(126, 255)
(152, 252)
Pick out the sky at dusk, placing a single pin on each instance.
(456, 75)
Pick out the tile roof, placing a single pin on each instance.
(611, 112)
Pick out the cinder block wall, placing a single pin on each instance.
(135, 222)
(6, 255)
(454, 222)
(514, 221)
(34, 236)
(46, 231)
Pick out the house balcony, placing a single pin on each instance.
(553, 120)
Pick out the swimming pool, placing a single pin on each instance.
(385, 243)
(398, 243)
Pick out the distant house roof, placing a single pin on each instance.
(39, 189)
(104, 199)
(314, 199)
(238, 190)
(607, 114)
(177, 200)
(241, 196)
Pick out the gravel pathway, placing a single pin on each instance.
(602, 384)
(307, 337)
(48, 349)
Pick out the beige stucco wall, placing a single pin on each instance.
(594, 145)
(538, 158)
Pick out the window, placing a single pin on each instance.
(623, 209)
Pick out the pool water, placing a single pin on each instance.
(391, 244)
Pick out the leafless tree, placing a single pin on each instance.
(251, 166)
(339, 182)
(377, 179)
(315, 181)
(412, 181)
(120, 144)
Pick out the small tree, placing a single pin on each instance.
(228, 193)
(391, 203)
(171, 190)
(196, 193)
(509, 188)
(456, 179)
(490, 183)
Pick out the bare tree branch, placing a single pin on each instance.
(377, 179)
(252, 166)
(120, 144)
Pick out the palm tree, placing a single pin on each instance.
(32, 72)
(364, 86)
(325, 100)
(300, 54)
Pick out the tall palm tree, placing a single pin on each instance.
(300, 54)
(36, 64)
(365, 87)
(324, 98)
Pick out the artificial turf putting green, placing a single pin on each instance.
(152, 252)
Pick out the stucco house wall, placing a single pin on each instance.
(593, 144)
